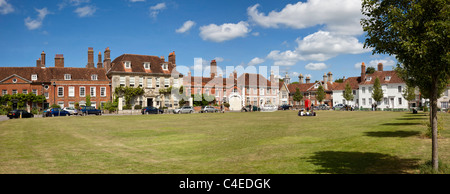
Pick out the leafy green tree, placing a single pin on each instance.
(370, 70)
(377, 93)
(88, 100)
(129, 93)
(417, 34)
(348, 93)
(320, 94)
(409, 93)
(297, 95)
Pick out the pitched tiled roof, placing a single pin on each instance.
(251, 79)
(137, 64)
(53, 73)
(382, 76)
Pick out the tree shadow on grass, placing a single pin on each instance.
(338, 162)
(410, 118)
(392, 133)
(399, 124)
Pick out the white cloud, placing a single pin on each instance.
(186, 26)
(85, 11)
(387, 62)
(33, 24)
(316, 66)
(341, 16)
(136, 1)
(256, 61)
(65, 3)
(219, 59)
(224, 32)
(154, 10)
(5, 7)
(319, 46)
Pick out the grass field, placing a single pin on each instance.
(278, 142)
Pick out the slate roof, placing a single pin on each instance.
(137, 64)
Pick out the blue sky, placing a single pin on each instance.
(309, 37)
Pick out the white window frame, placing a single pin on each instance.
(82, 91)
(146, 65)
(157, 82)
(93, 93)
(127, 64)
(149, 82)
(4, 92)
(24, 91)
(71, 91)
(35, 91)
(261, 91)
(34, 77)
(94, 77)
(103, 91)
(67, 77)
(62, 91)
(141, 81)
(166, 82)
(165, 66)
(132, 81)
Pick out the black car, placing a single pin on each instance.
(284, 107)
(151, 110)
(18, 113)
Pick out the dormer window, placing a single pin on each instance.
(146, 65)
(94, 77)
(368, 78)
(67, 77)
(316, 86)
(127, 64)
(165, 66)
(33, 77)
(387, 78)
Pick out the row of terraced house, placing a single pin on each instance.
(67, 86)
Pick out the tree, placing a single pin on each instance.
(297, 96)
(377, 93)
(320, 94)
(409, 93)
(88, 100)
(370, 70)
(348, 93)
(129, 93)
(417, 34)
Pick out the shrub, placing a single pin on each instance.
(137, 107)
(126, 107)
(427, 168)
(440, 127)
(55, 106)
(226, 104)
(425, 109)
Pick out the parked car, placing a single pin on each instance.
(323, 107)
(206, 109)
(56, 112)
(18, 113)
(88, 110)
(269, 108)
(184, 109)
(338, 106)
(284, 107)
(71, 110)
(151, 110)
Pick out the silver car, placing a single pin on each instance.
(71, 110)
(184, 109)
(207, 109)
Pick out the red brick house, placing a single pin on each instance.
(60, 85)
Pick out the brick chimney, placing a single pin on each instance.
(59, 60)
(235, 74)
(300, 78)
(213, 68)
(325, 78)
(272, 76)
(172, 58)
(330, 77)
(43, 59)
(38, 62)
(90, 63)
(380, 66)
(99, 63)
(363, 72)
(107, 61)
(308, 79)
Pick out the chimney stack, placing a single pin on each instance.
(300, 78)
(213, 68)
(42, 59)
(272, 76)
(99, 63)
(107, 61)
(287, 79)
(235, 74)
(59, 60)
(330, 77)
(38, 62)
(325, 78)
(172, 58)
(90, 63)
(363, 72)
(380, 66)
(308, 79)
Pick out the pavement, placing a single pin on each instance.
(3, 118)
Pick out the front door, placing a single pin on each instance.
(392, 102)
(150, 102)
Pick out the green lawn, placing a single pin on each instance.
(278, 142)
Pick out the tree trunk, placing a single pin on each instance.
(433, 120)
